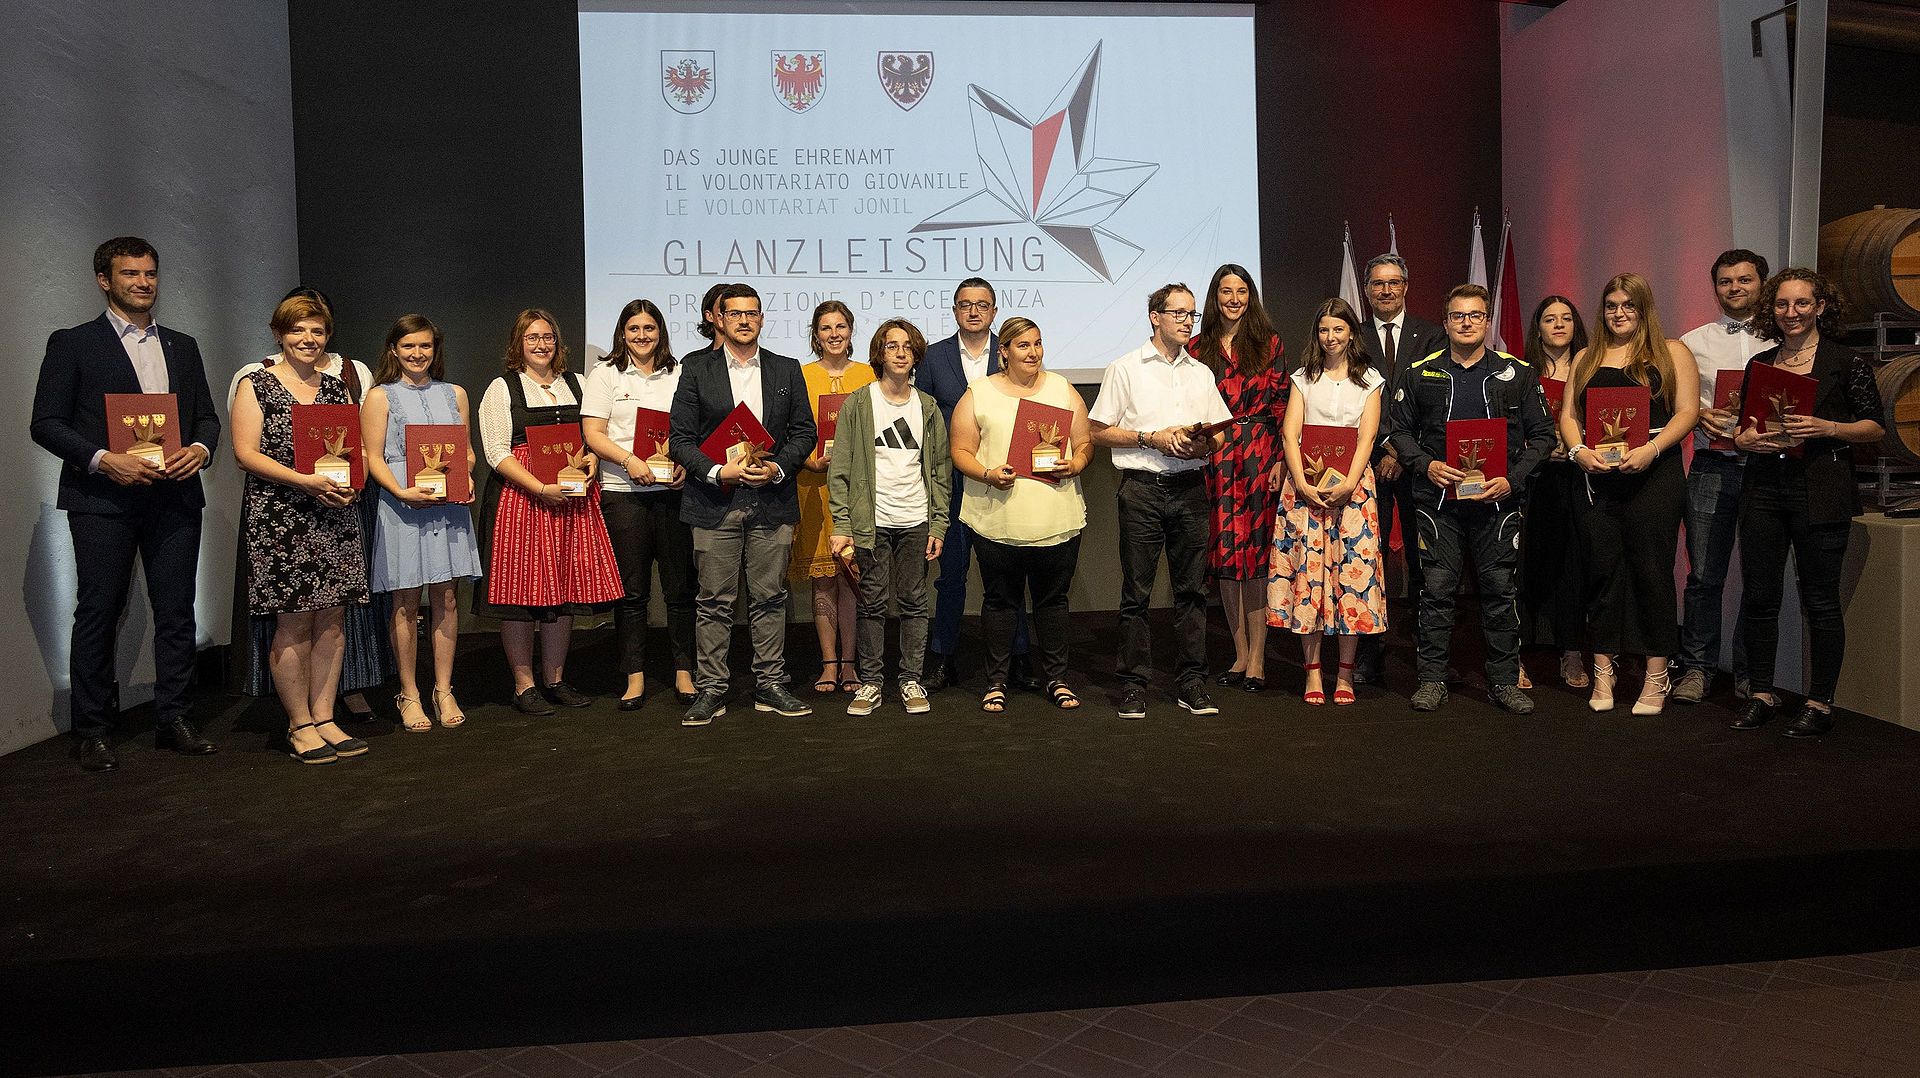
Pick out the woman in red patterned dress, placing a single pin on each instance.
(546, 555)
(1237, 342)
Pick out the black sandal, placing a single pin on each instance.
(995, 699)
(826, 683)
(1061, 696)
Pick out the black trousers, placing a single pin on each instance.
(1170, 514)
(1009, 576)
(1632, 534)
(1492, 533)
(1773, 521)
(166, 538)
(646, 531)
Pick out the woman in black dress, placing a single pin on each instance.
(1805, 501)
(304, 558)
(1632, 521)
(1553, 601)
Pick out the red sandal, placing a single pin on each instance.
(1315, 697)
(1340, 695)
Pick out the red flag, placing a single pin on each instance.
(1509, 329)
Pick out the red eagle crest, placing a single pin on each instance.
(688, 81)
(798, 78)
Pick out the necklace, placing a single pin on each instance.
(1796, 353)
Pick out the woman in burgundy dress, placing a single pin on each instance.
(1236, 341)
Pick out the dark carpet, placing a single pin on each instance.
(600, 875)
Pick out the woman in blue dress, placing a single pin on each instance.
(420, 540)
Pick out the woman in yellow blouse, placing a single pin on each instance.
(832, 372)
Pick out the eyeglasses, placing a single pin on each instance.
(1467, 318)
(1177, 315)
(541, 338)
(1388, 285)
(966, 305)
(1795, 306)
(740, 316)
(894, 348)
(1629, 307)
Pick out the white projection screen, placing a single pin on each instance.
(1077, 156)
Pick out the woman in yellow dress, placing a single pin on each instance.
(833, 372)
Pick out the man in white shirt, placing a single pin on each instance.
(1150, 401)
(1713, 484)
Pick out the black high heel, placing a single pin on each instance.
(1231, 678)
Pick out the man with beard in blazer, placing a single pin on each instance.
(951, 365)
(1395, 338)
(120, 506)
(742, 514)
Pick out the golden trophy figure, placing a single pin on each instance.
(1473, 480)
(1050, 450)
(661, 464)
(432, 476)
(146, 437)
(1322, 473)
(572, 477)
(1613, 441)
(334, 463)
(1781, 406)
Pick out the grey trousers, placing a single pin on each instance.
(895, 569)
(723, 555)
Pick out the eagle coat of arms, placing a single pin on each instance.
(906, 77)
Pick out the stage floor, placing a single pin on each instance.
(600, 874)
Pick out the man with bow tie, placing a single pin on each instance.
(1713, 485)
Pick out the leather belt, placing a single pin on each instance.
(1179, 480)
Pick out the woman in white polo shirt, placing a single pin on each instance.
(642, 507)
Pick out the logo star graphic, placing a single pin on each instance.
(1046, 174)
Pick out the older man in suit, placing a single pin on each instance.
(742, 513)
(120, 506)
(1396, 339)
(950, 367)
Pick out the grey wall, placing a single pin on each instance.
(169, 121)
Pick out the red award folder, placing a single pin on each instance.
(437, 460)
(1726, 396)
(1042, 440)
(1328, 455)
(326, 441)
(559, 455)
(147, 425)
(1771, 396)
(651, 430)
(1478, 448)
(735, 434)
(1617, 418)
(827, 418)
(1556, 391)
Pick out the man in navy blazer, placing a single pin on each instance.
(119, 505)
(952, 365)
(742, 514)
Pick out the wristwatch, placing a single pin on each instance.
(1140, 437)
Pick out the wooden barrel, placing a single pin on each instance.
(1873, 258)
(1900, 395)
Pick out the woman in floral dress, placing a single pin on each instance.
(1326, 548)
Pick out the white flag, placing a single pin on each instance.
(1349, 273)
(1477, 266)
(1393, 241)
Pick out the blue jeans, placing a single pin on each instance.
(950, 592)
(1713, 522)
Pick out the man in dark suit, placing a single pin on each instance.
(742, 514)
(951, 365)
(1396, 339)
(119, 505)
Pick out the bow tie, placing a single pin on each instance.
(1740, 327)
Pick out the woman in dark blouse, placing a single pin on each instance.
(1802, 502)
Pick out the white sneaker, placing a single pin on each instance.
(865, 699)
(913, 697)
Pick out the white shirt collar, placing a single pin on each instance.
(1398, 321)
(1152, 354)
(740, 364)
(122, 327)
